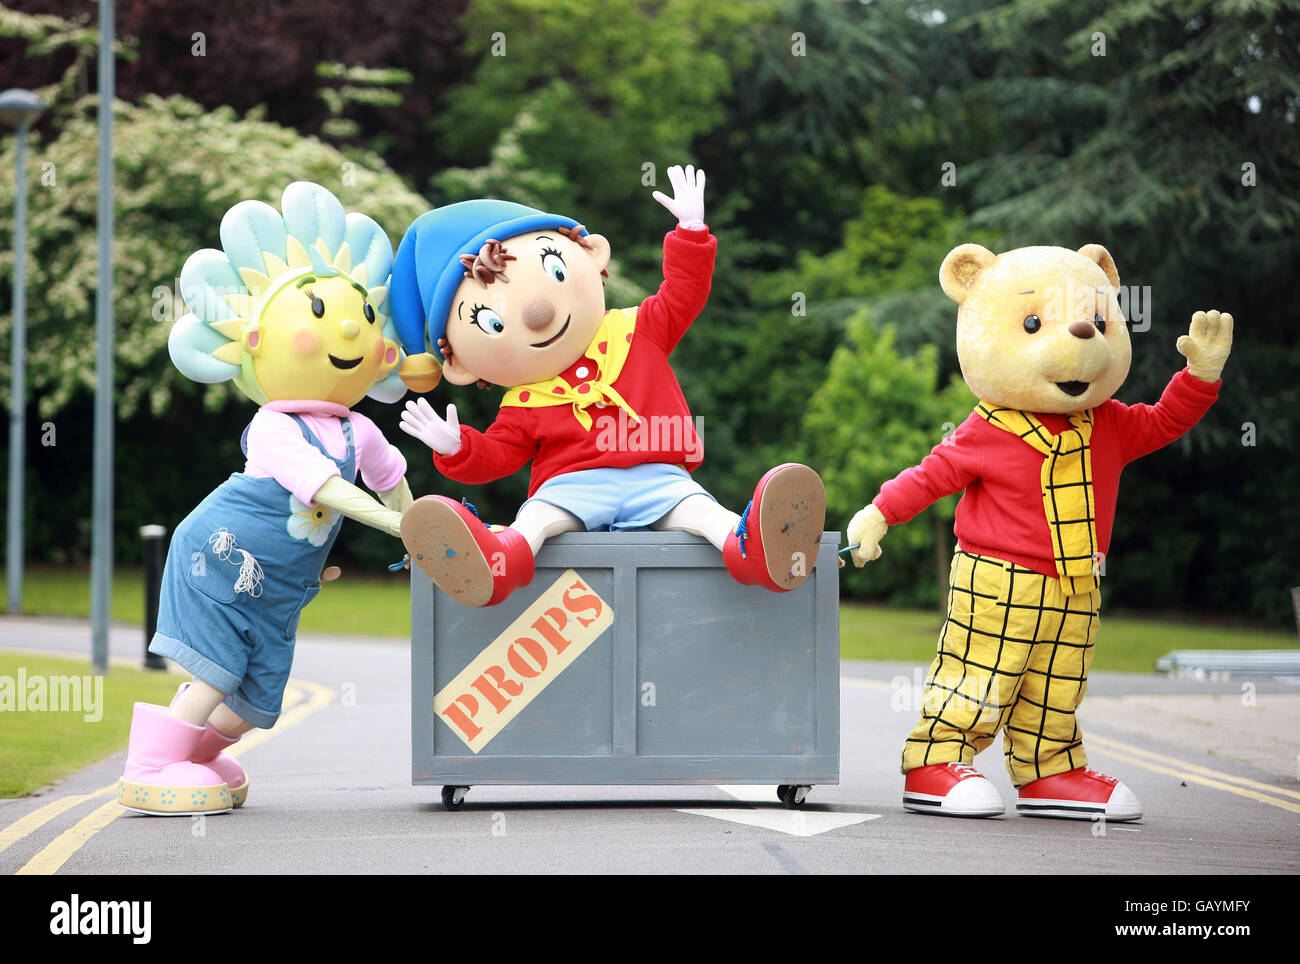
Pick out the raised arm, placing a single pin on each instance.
(689, 253)
(1189, 394)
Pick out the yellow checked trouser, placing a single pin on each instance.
(1014, 656)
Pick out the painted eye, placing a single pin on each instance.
(553, 265)
(369, 312)
(1032, 324)
(317, 307)
(488, 321)
(1100, 322)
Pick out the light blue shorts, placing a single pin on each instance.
(616, 499)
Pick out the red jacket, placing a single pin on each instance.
(1001, 513)
(552, 437)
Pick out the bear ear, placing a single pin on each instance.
(1095, 252)
(961, 269)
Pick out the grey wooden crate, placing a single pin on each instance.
(745, 681)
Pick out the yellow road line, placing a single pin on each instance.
(1192, 767)
(303, 699)
(1161, 763)
(31, 822)
(42, 815)
(55, 854)
(311, 697)
(1183, 774)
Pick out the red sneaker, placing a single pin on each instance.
(474, 563)
(951, 790)
(1081, 794)
(775, 544)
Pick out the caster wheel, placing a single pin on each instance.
(793, 795)
(453, 798)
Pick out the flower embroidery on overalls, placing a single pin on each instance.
(311, 522)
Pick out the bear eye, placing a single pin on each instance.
(1100, 323)
(1032, 324)
(369, 313)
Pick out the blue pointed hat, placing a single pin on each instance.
(427, 270)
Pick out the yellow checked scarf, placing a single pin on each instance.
(615, 333)
(1067, 489)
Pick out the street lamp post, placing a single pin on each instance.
(18, 108)
(101, 536)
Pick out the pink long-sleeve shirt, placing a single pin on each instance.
(276, 448)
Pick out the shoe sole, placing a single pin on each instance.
(441, 544)
(793, 513)
(176, 813)
(160, 801)
(928, 803)
(1076, 810)
(239, 794)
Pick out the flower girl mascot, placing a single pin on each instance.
(292, 309)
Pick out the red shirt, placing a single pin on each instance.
(1001, 513)
(552, 437)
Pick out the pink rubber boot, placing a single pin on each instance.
(159, 777)
(209, 753)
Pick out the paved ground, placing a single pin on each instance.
(331, 792)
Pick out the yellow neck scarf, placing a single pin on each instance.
(609, 350)
(1067, 490)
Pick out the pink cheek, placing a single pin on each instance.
(305, 342)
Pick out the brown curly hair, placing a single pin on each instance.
(489, 264)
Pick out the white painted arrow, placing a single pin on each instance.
(797, 823)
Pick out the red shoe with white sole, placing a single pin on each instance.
(780, 528)
(474, 563)
(1081, 794)
(951, 790)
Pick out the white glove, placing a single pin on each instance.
(866, 529)
(423, 422)
(687, 202)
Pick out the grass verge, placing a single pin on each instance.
(39, 746)
(1125, 642)
(379, 605)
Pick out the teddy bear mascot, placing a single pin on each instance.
(511, 296)
(292, 311)
(1042, 343)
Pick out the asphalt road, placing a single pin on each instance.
(331, 793)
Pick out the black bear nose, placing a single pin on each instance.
(1083, 329)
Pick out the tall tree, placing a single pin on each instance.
(1166, 129)
(250, 53)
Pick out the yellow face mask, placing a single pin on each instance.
(317, 338)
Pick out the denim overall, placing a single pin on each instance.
(240, 569)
